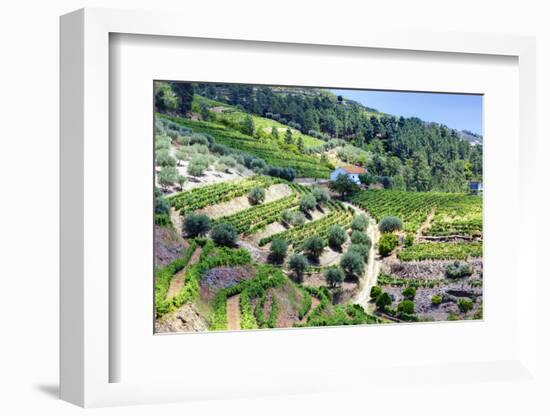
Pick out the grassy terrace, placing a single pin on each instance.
(275, 153)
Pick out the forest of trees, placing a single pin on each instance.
(416, 155)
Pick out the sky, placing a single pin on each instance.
(458, 111)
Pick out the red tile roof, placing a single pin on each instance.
(354, 169)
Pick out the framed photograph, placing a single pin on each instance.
(236, 209)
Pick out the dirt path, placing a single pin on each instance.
(233, 313)
(373, 265)
(425, 225)
(178, 280)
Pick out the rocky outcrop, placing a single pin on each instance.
(185, 319)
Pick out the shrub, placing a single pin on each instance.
(409, 240)
(344, 186)
(163, 220)
(161, 205)
(334, 275)
(465, 305)
(336, 236)
(406, 307)
(307, 203)
(360, 223)
(361, 249)
(180, 179)
(437, 299)
(387, 244)
(198, 138)
(277, 250)
(197, 166)
(286, 216)
(390, 224)
(224, 234)
(409, 292)
(458, 269)
(314, 247)
(320, 195)
(285, 173)
(196, 225)
(375, 291)
(352, 263)
(297, 219)
(256, 196)
(298, 264)
(383, 300)
(167, 176)
(359, 237)
(163, 158)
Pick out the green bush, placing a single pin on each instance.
(387, 244)
(278, 250)
(361, 249)
(390, 224)
(224, 234)
(163, 220)
(298, 264)
(352, 263)
(375, 291)
(336, 236)
(167, 176)
(409, 240)
(314, 247)
(196, 225)
(359, 237)
(256, 196)
(437, 299)
(334, 275)
(465, 305)
(406, 307)
(163, 158)
(458, 269)
(321, 195)
(383, 300)
(360, 223)
(307, 203)
(297, 219)
(197, 166)
(409, 292)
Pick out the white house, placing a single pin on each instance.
(352, 172)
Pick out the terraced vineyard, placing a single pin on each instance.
(441, 251)
(296, 236)
(274, 153)
(455, 213)
(257, 217)
(201, 197)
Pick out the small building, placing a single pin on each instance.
(351, 172)
(476, 187)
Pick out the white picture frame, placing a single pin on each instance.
(86, 353)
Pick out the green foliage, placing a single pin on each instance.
(336, 236)
(306, 304)
(307, 203)
(352, 263)
(196, 225)
(359, 237)
(360, 223)
(278, 250)
(458, 269)
(390, 224)
(437, 299)
(409, 240)
(184, 91)
(386, 244)
(161, 205)
(383, 300)
(224, 234)
(165, 98)
(197, 166)
(375, 291)
(314, 247)
(321, 195)
(361, 249)
(163, 220)
(256, 196)
(465, 305)
(248, 126)
(167, 176)
(334, 276)
(344, 186)
(298, 264)
(441, 251)
(409, 292)
(406, 307)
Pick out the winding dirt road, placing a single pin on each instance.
(233, 313)
(178, 280)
